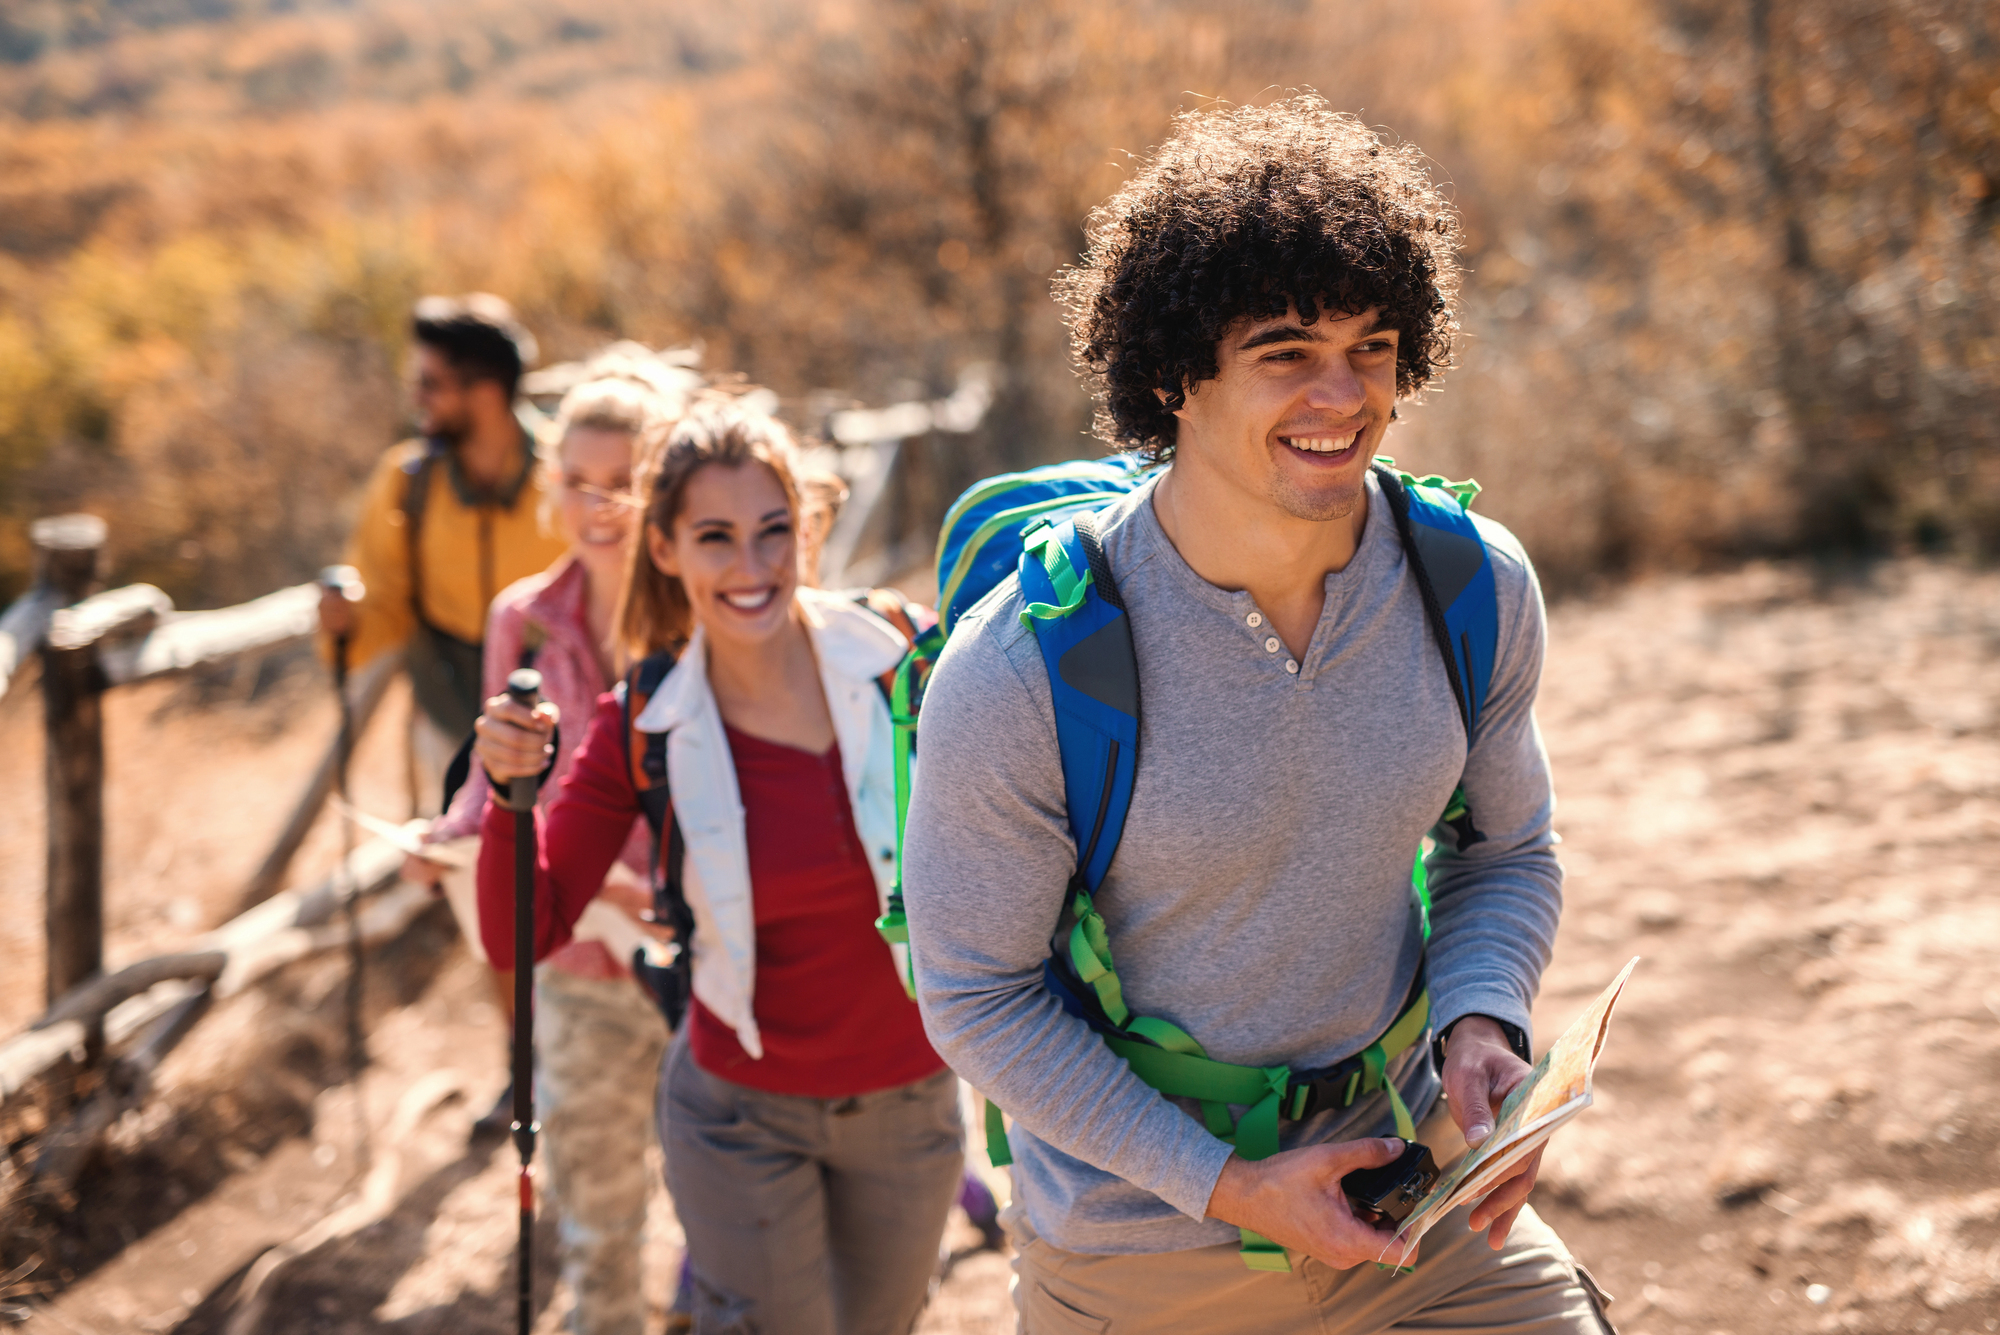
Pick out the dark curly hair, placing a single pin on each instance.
(1242, 211)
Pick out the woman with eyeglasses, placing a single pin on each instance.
(598, 1035)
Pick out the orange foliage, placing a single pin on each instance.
(1733, 270)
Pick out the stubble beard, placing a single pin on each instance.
(449, 432)
(1319, 505)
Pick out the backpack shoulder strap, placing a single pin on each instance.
(1086, 640)
(1455, 576)
(533, 636)
(416, 498)
(646, 752)
(910, 621)
(646, 763)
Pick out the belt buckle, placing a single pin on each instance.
(1335, 1087)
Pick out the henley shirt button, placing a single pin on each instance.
(1254, 620)
(1271, 645)
(1292, 666)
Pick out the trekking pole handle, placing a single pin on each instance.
(344, 580)
(524, 688)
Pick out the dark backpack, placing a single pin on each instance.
(444, 670)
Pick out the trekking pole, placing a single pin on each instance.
(524, 687)
(346, 581)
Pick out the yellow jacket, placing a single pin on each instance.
(469, 552)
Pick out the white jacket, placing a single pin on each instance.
(854, 647)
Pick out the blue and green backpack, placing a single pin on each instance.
(1041, 525)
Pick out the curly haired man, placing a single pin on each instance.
(1252, 307)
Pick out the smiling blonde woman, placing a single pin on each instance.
(598, 1035)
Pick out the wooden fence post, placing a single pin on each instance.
(67, 550)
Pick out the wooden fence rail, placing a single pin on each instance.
(123, 1024)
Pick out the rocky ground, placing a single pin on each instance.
(1782, 791)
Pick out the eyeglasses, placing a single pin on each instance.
(627, 499)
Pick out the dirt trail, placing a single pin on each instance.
(1790, 805)
(1786, 798)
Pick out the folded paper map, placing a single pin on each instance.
(600, 921)
(407, 836)
(1555, 1091)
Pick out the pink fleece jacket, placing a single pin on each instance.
(546, 612)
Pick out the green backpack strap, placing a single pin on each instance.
(1173, 1062)
(905, 700)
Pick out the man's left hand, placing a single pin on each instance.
(1480, 1071)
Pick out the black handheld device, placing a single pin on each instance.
(1390, 1192)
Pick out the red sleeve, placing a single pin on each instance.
(580, 835)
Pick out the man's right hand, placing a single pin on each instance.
(336, 613)
(1294, 1199)
(514, 743)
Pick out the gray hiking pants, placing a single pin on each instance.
(809, 1216)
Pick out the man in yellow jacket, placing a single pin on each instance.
(450, 519)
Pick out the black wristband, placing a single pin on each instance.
(1517, 1039)
(500, 790)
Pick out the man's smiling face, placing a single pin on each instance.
(1295, 411)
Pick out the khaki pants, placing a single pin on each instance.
(1532, 1286)
(598, 1045)
(809, 1216)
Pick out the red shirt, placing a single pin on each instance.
(834, 1017)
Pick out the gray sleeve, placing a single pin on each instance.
(1495, 903)
(987, 858)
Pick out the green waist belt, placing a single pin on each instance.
(1173, 1063)
(1168, 1058)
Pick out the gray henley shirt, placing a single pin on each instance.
(1260, 897)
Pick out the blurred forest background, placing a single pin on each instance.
(1735, 264)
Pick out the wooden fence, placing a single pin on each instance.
(92, 1053)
